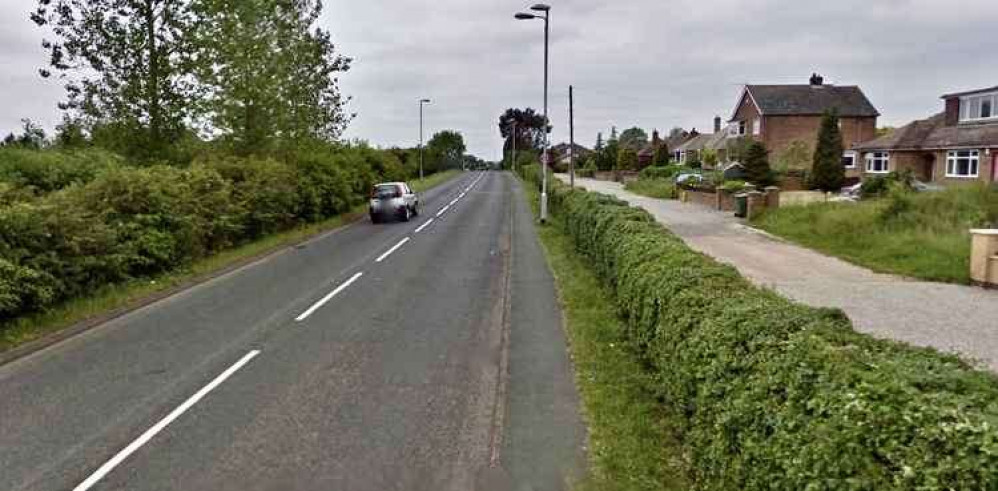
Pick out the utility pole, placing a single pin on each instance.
(512, 165)
(421, 102)
(571, 138)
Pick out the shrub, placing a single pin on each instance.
(879, 185)
(659, 172)
(756, 165)
(828, 174)
(733, 186)
(769, 394)
(44, 171)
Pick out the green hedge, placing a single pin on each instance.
(126, 222)
(770, 394)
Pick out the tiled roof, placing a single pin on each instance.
(970, 92)
(932, 133)
(791, 100)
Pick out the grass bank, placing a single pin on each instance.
(652, 188)
(629, 438)
(922, 235)
(116, 296)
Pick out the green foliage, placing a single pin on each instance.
(879, 185)
(627, 159)
(827, 172)
(634, 139)
(444, 151)
(662, 154)
(39, 172)
(653, 188)
(922, 235)
(659, 172)
(527, 126)
(756, 165)
(768, 394)
(100, 222)
(709, 158)
(733, 186)
(795, 156)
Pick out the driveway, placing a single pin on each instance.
(952, 318)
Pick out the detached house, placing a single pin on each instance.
(779, 115)
(959, 144)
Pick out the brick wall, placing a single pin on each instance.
(780, 131)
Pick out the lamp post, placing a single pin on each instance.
(421, 102)
(546, 15)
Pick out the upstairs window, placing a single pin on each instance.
(979, 107)
(878, 162)
(962, 163)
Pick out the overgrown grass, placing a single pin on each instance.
(30, 327)
(922, 235)
(629, 443)
(652, 188)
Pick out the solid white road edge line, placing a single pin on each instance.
(163, 423)
(443, 210)
(390, 251)
(327, 298)
(427, 224)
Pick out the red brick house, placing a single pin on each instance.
(779, 115)
(957, 145)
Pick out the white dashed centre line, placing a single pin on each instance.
(311, 310)
(443, 210)
(163, 423)
(390, 251)
(427, 224)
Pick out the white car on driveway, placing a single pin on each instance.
(393, 200)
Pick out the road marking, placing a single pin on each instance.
(443, 210)
(462, 195)
(427, 224)
(453, 201)
(327, 298)
(390, 251)
(163, 423)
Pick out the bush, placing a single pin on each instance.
(876, 186)
(769, 394)
(659, 172)
(733, 186)
(44, 171)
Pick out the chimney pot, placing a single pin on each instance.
(817, 80)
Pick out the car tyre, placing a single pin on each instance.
(406, 214)
(375, 218)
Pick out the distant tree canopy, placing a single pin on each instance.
(529, 129)
(444, 151)
(32, 136)
(151, 73)
(634, 139)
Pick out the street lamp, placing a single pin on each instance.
(546, 15)
(421, 102)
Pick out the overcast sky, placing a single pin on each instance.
(647, 63)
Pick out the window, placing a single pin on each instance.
(741, 128)
(849, 160)
(877, 162)
(962, 163)
(757, 126)
(979, 107)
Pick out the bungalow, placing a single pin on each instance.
(693, 149)
(781, 115)
(959, 144)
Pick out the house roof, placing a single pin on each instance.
(795, 100)
(969, 92)
(708, 141)
(932, 133)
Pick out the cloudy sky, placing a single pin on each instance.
(647, 63)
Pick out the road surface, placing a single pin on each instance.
(422, 355)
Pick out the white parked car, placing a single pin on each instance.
(393, 200)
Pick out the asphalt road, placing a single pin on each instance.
(422, 355)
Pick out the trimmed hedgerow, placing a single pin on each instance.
(770, 394)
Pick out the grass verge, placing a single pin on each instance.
(629, 438)
(652, 188)
(109, 298)
(922, 235)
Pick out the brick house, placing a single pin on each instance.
(957, 145)
(780, 115)
(693, 149)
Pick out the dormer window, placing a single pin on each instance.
(979, 107)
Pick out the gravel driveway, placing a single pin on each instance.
(952, 318)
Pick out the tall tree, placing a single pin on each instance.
(627, 159)
(827, 172)
(530, 127)
(270, 73)
(756, 164)
(445, 150)
(634, 139)
(124, 61)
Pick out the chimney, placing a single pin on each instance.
(655, 138)
(817, 80)
(694, 132)
(717, 124)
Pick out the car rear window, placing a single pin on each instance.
(386, 191)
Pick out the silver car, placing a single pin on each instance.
(393, 199)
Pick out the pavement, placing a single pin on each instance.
(952, 318)
(423, 355)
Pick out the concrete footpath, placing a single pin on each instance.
(952, 318)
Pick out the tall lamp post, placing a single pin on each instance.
(421, 102)
(545, 14)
